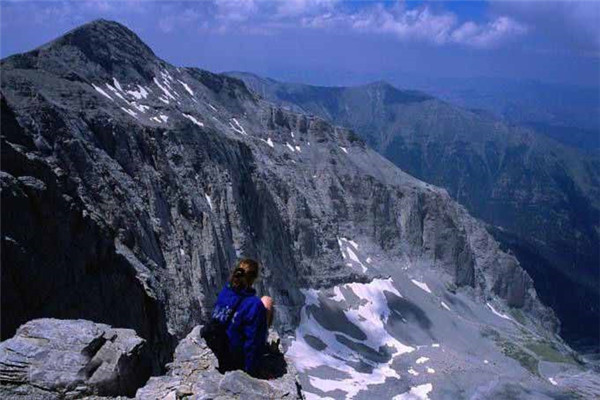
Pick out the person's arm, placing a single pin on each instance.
(255, 334)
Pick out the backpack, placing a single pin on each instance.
(215, 335)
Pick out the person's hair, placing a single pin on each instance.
(244, 273)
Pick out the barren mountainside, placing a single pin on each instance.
(538, 197)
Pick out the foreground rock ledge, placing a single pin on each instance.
(51, 358)
(193, 375)
(73, 359)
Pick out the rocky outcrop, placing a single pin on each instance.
(193, 374)
(58, 359)
(71, 359)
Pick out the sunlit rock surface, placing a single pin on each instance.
(55, 359)
(193, 373)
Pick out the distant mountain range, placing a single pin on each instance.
(540, 198)
(567, 113)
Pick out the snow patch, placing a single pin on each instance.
(497, 313)
(130, 112)
(422, 360)
(421, 285)
(430, 370)
(345, 150)
(435, 345)
(298, 149)
(420, 392)
(164, 89)
(369, 315)
(186, 87)
(239, 128)
(117, 84)
(345, 246)
(102, 92)
(139, 94)
(289, 146)
(446, 306)
(166, 76)
(140, 107)
(116, 92)
(270, 142)
(413, 372)
(194, 120)
(552, 381)
(354, 258)
(163, 117)
(209, 201)
(312, 396)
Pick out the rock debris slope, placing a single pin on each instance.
(130, 186)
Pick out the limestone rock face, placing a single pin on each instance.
(193, 373)
(51, 358)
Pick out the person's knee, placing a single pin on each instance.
(267, 302)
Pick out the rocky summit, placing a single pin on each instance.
(130, 187)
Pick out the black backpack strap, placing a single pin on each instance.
(233, 310)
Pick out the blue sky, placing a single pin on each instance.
(339, 42)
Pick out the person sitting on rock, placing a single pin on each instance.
(247, 329)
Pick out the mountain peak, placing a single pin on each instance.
(395, 95)
(103, 42)
(95, 48)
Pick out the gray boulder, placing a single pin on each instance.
(193, 375)
(51, 358)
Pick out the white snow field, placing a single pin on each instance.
(366, 317)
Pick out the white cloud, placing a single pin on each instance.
(236, 10)
(422, 24)
(489, 35)
(415, 24)
(304, 7)
(170, 22)
(573, 25)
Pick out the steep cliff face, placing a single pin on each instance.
(130, 187)
(540, 198)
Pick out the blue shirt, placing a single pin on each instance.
(247, 330)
